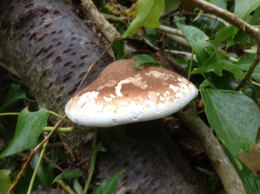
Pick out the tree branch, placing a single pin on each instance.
(227, 16)
(219, 160)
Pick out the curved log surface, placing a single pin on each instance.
(51, 49)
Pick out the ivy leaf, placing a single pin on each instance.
(148, 14)
(244, 8)
(118, 48)
(171, 5)
(15, 93)
(220, 3)
(5, 181)
(224, 34)
(77, 187)
(143, 59)
(72, 173)
(245, 63)
(234, 117)
(109, 186)
(216, 63)
(197, 39)
(29, 126)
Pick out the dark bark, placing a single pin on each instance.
(51, 50)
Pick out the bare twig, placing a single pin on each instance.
(217, 156)
(35, 150)
(249, 73)
(213, 17)
(170, 30)
(179, 39)
(176, 52)
(227, 16)
(108, 30)
(92, 66)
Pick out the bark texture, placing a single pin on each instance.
(51, 49)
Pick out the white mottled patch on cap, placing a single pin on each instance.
(89, 97)
(110, 83)
(159, 75)
(136, 80)
(107, 99)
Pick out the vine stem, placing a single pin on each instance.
(251, 69)
(37, 167)
(67, 130)
(60, 117)
(65, 186)
(9, 114)
(35, 150)
(190, 65)
(92, 165)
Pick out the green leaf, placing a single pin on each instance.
(171, 5)
(148, 14)
(44, 171)
(244, 8)
(216, 63)
(77, 187)
(196, 38)
(109, 186)
(29, 126)
(220, 3)
(225, 34)
(15, 93)
(198, 16)
(72, 173)
(143, 59)
(5, 181)
(251, 50)
(118, 48)
(245, 63)
(234, 117)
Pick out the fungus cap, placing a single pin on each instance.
(123, 94)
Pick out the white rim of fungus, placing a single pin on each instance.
(87, 113)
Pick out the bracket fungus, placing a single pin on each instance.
(123, 94)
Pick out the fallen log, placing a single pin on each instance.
(51, 49)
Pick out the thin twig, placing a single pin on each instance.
(60, 117)
(92, 165)
(170, 30)
(211, 16)
(92, 66)
(182, 53)
(37, 167)
(227, 16)
(250, 70)
(179, 39)
(35, 150)
(53, 163)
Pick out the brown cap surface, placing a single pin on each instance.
(123, 94)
